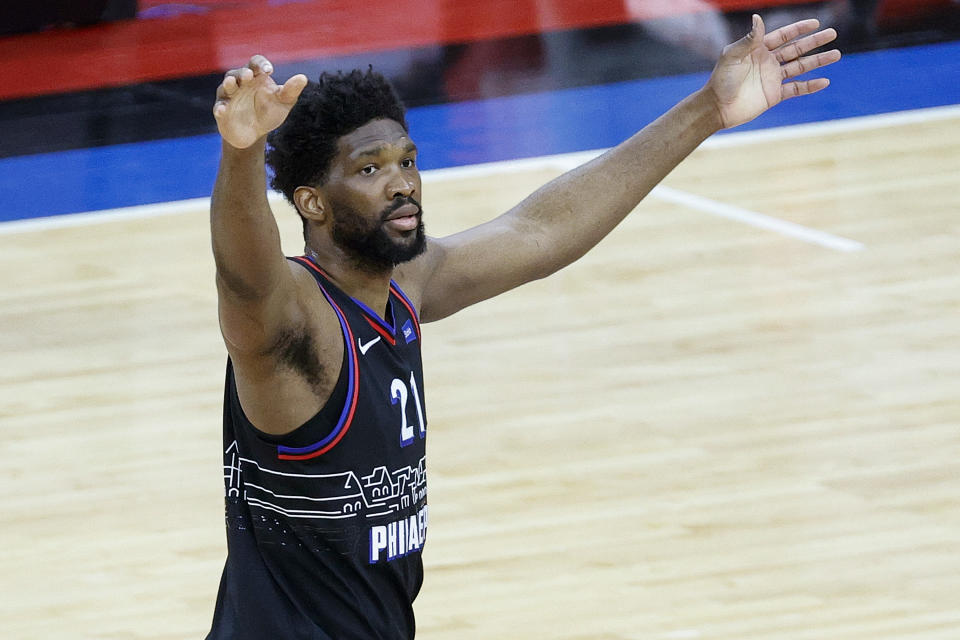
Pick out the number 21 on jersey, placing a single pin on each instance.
(399, 392)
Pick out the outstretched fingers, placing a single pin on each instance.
(790, 46)
(803, 46)
(802, 87)
(783, 35)
(809, 63)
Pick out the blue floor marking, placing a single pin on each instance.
(473, 132)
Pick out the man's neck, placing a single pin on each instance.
(369, 286)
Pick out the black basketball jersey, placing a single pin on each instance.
(325, 525)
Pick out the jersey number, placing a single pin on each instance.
(398, 393)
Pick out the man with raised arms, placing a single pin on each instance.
(324, 412)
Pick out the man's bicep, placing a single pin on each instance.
(253, 324)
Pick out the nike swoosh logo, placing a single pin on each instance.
(366, 347)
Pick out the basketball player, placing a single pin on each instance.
(324, 412)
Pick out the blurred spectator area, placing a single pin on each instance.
(119, 56)
(71, 45)
(22, 16)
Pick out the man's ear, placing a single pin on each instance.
(310, 204)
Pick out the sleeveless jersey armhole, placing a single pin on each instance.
(348, 380)
(323, 421)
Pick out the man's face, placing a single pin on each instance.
(373, 192)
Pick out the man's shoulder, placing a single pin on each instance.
(413, 277)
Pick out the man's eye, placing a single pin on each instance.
(368, 170)
(408, 163)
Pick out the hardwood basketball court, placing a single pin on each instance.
(703, 429)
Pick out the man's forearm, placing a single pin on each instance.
(575, 211)
(246, 242)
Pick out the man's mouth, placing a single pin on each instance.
(404, 218)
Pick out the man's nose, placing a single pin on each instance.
(401, 187)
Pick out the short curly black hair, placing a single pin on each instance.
(301, 149)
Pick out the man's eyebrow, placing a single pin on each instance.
(409, 147)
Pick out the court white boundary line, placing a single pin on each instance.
(68, 220)
(562, 162)
(758, 220)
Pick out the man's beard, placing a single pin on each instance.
(368, 243)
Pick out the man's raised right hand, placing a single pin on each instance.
(250, 104)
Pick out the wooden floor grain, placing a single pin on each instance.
(701, 430)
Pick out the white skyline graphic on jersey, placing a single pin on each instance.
(329, 496)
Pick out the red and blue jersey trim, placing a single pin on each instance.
(353, 389)
(405, 301)
(380, 325)
(387, 331)
(380, 330)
